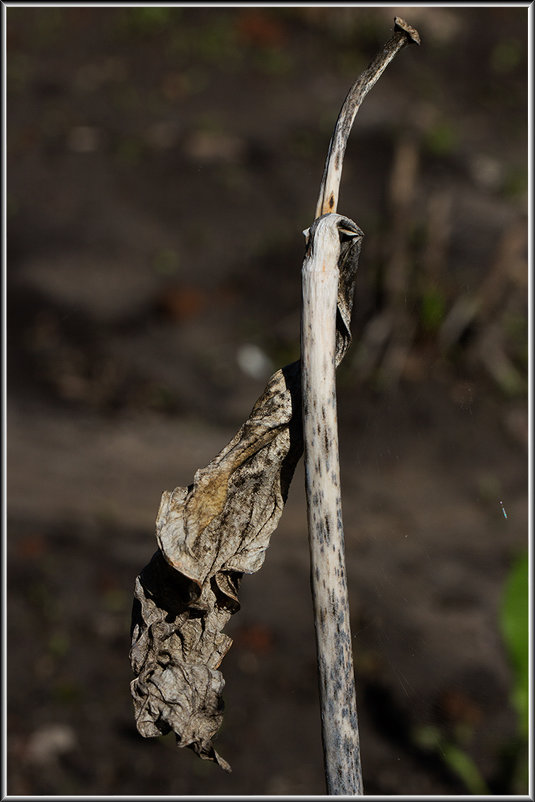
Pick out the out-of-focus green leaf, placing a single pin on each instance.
(515, 629)
(432, 310)
(462, 764)
(457, 759)
(441, 139)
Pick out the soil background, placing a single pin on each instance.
(162, 165)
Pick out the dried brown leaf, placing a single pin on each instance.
(209, 534)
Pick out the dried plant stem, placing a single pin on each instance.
(330, 184)
(326, 535)
(320, 278)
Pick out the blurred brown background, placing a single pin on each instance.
(162, 164)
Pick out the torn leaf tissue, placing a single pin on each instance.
(209, 534)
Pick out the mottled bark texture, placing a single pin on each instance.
(403, 35)
(340, 733)
(324, 504)
(209, 534)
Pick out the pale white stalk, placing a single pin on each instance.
(320, 277)
(326, 535)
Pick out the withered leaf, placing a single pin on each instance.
(209, 534)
